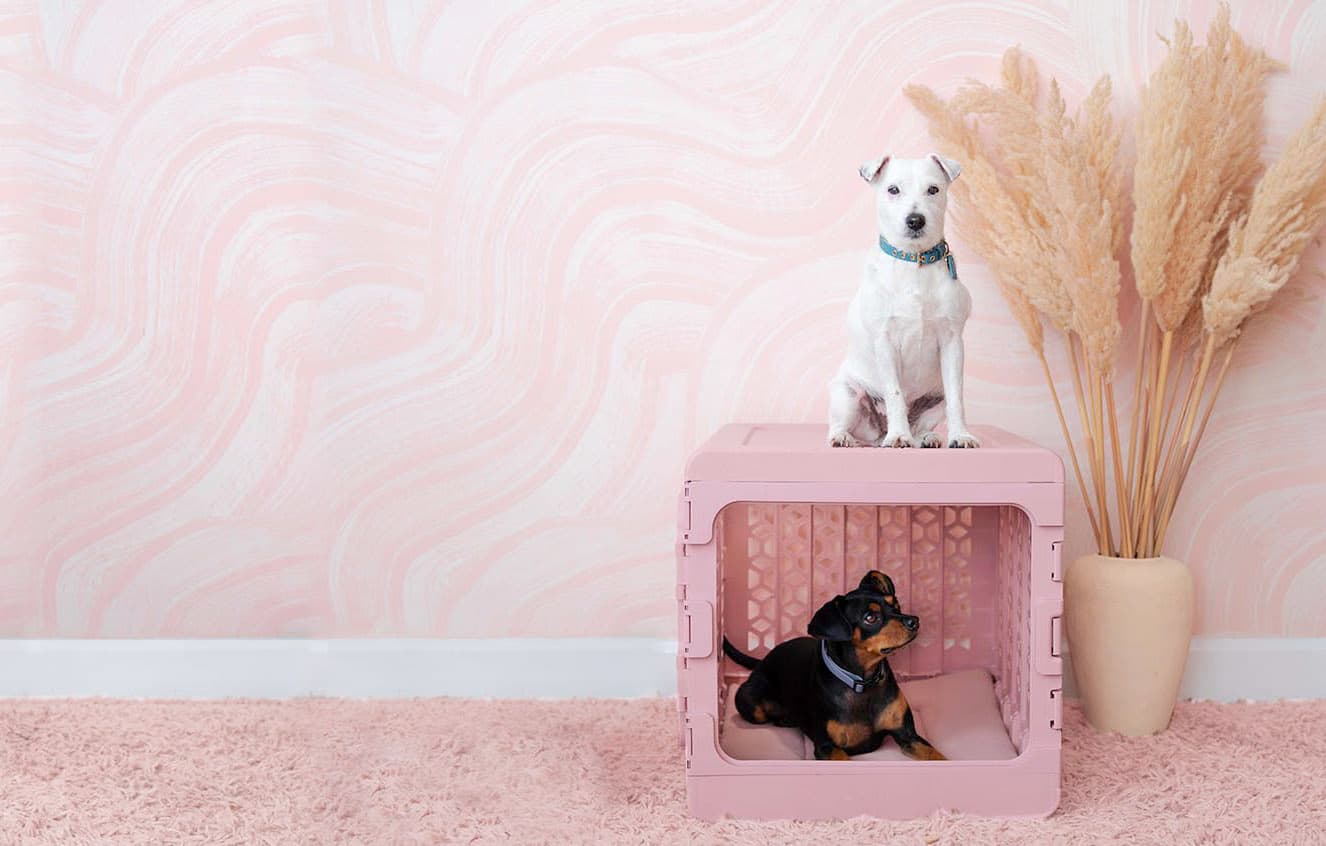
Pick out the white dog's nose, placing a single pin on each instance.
(915, 221)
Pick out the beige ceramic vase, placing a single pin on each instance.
(1129, 623)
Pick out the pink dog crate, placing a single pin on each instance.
(773, 523)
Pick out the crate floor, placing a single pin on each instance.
(956, 712)
(590, 771)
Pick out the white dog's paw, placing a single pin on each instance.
(896, 439)
(844, 439)
(931, 440)
(963, 440)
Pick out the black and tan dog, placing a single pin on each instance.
(836, 686)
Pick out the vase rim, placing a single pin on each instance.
(1149, 558)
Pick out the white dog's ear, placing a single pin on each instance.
(951, 168)
(871, 169)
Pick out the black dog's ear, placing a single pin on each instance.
(877, 581)
(830, 623)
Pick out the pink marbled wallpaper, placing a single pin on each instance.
(399, 318)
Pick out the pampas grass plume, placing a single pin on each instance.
(1288, 206)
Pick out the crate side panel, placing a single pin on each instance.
(1013, 621)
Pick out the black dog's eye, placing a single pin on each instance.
(893, 189)
(934, 189)
(871, 618)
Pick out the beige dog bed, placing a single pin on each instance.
(956, 712)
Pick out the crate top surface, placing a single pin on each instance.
(792, 452)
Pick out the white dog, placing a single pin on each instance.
(904, 362)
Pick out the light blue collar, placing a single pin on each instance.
(936, 253)
(858, 684)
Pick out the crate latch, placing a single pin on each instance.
(698, 628)
(1056, 561)
(1056, 636)
(1046, 619)
(1057, 709)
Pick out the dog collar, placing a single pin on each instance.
(936, 253)
(858, 684)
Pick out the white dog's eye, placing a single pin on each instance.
(893, 189)
(934, 189)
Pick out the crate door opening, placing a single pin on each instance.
(963, 570)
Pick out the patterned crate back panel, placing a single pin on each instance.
(1013, 622)
(781, 561)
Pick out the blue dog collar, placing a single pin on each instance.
(936, 253)
(858, 684)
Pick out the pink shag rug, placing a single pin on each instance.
(590, 771)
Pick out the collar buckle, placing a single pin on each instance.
(937, 253)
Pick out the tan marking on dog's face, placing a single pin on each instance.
(890, 718)
(891, 636)
(759, 714)
(838, 755)
(893, 602)
(868, 653)
(847, 735)
(875, 606)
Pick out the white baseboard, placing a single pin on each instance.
(1219, 668)
(369, 668)
(1227, 669)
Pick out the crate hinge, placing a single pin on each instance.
(1057, 709)
(1056, 561)
(681, 721)
(689, 741)
(684, 527)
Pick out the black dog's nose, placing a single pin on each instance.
(915, 221)
(911, 622)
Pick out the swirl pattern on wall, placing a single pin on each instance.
(400, 318)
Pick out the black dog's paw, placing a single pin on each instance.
(830, 753)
